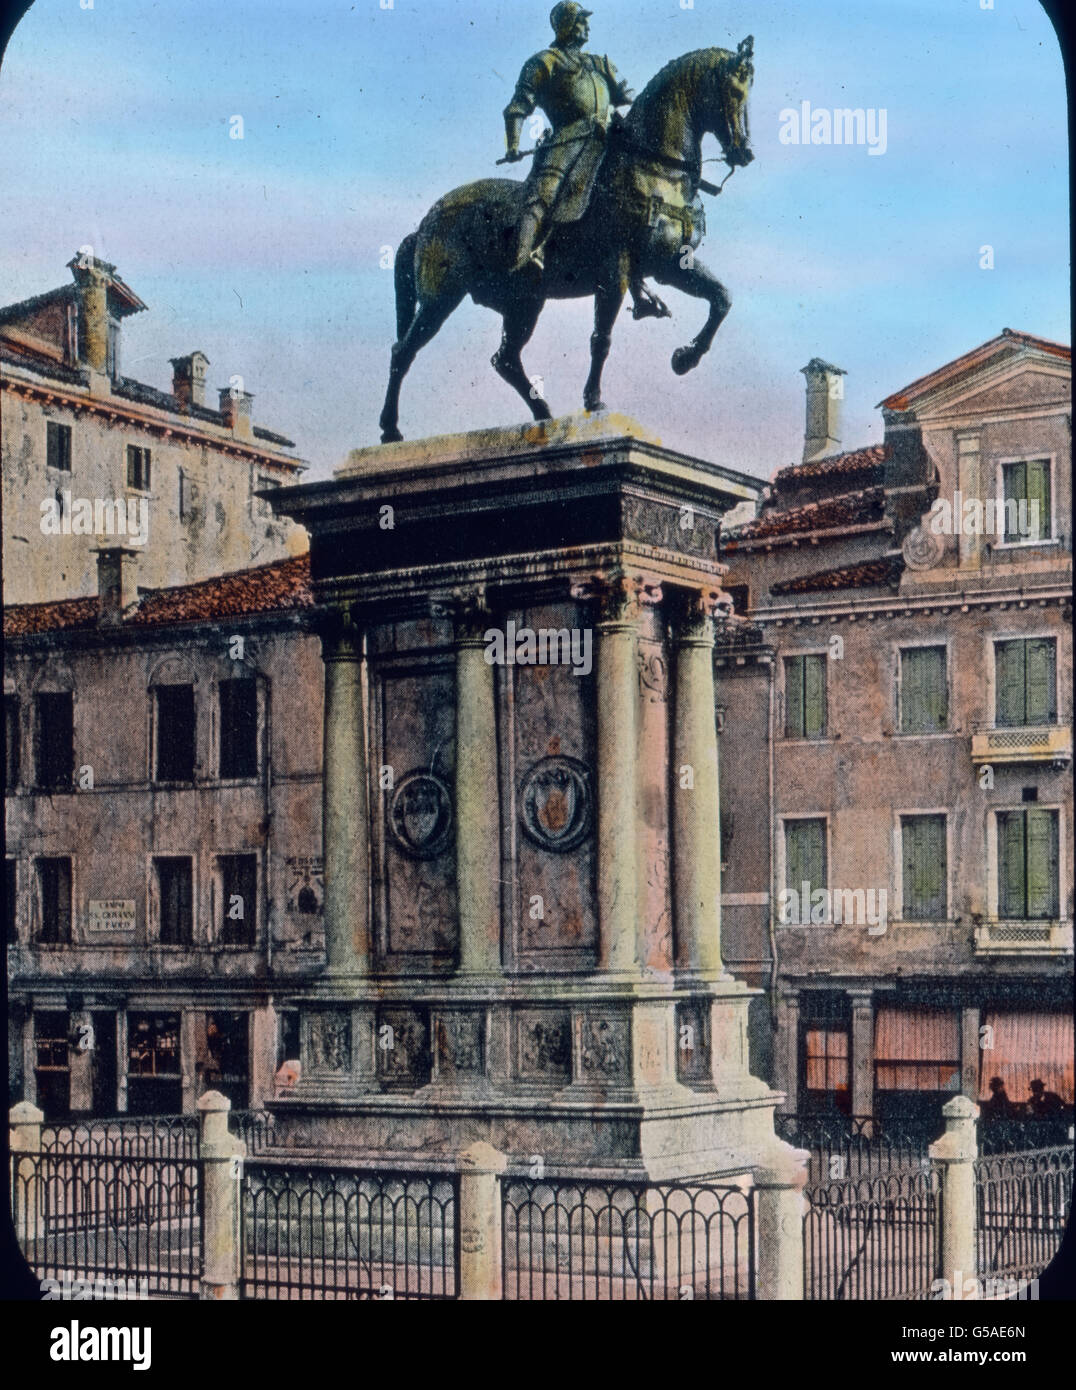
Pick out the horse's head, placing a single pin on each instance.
(730, 106)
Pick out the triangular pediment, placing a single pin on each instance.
(1018, 383)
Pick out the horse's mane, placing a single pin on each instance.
(686, 72)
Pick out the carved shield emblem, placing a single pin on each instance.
(555, 803)
(420, 815)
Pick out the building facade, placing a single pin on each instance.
(909, 904)
(163, 839)
(92, 457)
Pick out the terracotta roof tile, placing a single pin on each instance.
(279, 587)
(867, 574)
(854, 461)
(849, 509)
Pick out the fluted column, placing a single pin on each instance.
(345, 811)
(696, 802)
(478, 821)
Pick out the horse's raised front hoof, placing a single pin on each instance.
(685, 359)
(392, 436)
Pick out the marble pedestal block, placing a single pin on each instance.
(522, 857)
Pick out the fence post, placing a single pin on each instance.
(221, 1155)
(480, 1243)
(24, 1137)
(955, 1153)
(779, 1185)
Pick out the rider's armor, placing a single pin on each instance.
(577, 91)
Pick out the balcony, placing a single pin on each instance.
(1023, 938)
(1042, 743)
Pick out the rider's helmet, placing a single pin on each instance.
(565, 15)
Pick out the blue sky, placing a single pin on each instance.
(264, 252)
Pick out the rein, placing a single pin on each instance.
(691, 167)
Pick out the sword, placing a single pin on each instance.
(523, 154)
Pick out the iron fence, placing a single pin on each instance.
(1023, 1202)
(872, 1237)
(139, 1136)
(592, 1241)
(854, 1146)
(255, 1127)
(126, 1216)
(316, 1232)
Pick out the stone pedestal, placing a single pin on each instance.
(520, 743)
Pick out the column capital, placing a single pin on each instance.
(468, 609)
(861, 999)
(341, 634)
(620, 595)
(694, 613)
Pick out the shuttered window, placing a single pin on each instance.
(925, 870)
(1026, 679)
(924, 694)
(54, 900)
(1028, 864)
(239, 728)
(826, 1060)
(805, 697)
(805, 855)
(175, 890)
(916, 1049)
(175, 733)
(1027, 483)
(238, 898)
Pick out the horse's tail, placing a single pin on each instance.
(406, 294)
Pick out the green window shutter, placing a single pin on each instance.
(925, 868)
(794, 697)
(1009, 678)
(1042, 863)
(1011, 866)
(1038, 493)
(1014, 479)
(924, 699)
(805, 854)
(1040, 705)
(814, 696)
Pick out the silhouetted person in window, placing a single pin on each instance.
(999, 1106)
(1043, 1104)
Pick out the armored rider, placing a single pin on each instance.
(578, 92)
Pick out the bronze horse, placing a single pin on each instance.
(642, 219)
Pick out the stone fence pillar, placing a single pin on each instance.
(27, 1186)
(779, 1185)
(480, 1254)
(222, 1165)
(955, 1153)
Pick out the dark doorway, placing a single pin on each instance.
(104, 1062)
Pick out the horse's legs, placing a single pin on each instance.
(429, 317)
(701, 283)
(612, 287)
(519, 324)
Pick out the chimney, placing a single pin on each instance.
(117, 589)
(825, 395)
(93, 278)
(188, 379)
(235, 407)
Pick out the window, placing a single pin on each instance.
(154, 1082)
(175, 733)
(1027, 863)
(239, 728)
(238, 909)
(175, 890)
(805, 858)
(58, 446)
(137, 467)
(54, 754)
(54, 900)
(11, 898)
(52, 1067)
(11, 742)
(1027, 485)
(926, 868)
(916, 1049)
(924, 696)
(826, 1061)
(1025, 677)
(805, 697)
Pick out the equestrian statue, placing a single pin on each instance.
(609, 201)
